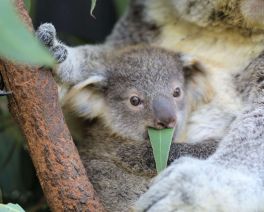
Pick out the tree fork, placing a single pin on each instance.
(34, 105)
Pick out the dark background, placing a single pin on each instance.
(75, 26)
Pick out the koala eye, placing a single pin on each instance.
(177, 92)
(135, 101)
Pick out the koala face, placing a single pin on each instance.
(140, 87)
(145, 88)
(243, 14)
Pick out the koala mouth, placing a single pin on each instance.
(146, 135)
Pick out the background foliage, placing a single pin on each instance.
(18, 182)
(16, 42)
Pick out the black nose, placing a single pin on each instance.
(164, 113)
(165, 123)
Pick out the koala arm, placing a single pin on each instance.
(232, 178)
(76, 64)
(201, 150)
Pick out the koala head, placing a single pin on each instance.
(242, 14)
(139, 87)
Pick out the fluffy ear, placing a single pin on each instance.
(198, 85)
(86, 98)
(192, 67)
(98, 81)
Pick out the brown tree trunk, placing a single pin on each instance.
(34, 105)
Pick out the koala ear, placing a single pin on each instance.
(92, 81)
(192, 67)
(86, 98)
(198, 86)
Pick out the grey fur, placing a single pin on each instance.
(134, 27)
(47, 34)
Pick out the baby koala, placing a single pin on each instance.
(114, 102)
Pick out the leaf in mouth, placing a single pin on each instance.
(161, 142)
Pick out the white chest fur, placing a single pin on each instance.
(223, 53)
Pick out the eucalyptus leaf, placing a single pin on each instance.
(161, 142)
(16, 42)
(92, 7)
(11, 208)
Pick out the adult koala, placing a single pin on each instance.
(227, 37)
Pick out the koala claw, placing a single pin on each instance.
(46, 33)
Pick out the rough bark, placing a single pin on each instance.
(34, 105)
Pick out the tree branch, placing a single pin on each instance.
(34, 105)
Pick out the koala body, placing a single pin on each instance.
(227, 104)
(129, 91)
(136, 88)
(229, 180)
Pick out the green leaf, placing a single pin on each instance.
(11, 208)
(16, 42)
(161, 142)
(92, 7)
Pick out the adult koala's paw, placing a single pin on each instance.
(193, 185)
(46, 33)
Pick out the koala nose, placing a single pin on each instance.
(164, 113)
(165, 123)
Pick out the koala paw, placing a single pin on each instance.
(46, 33)
(193, 185)
(59, 52)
